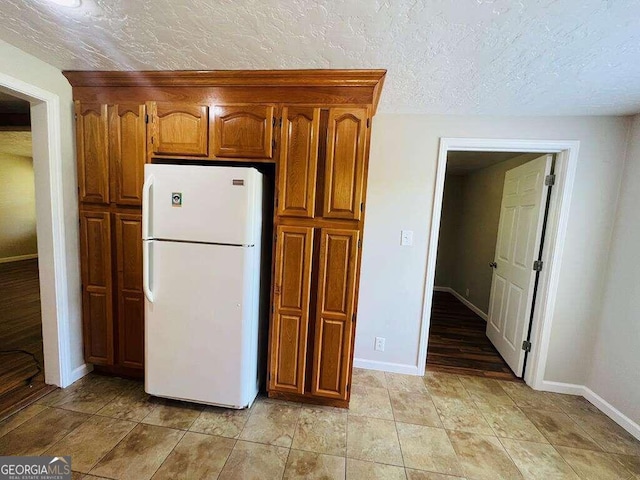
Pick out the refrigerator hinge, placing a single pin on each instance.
(526, 346)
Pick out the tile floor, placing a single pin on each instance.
(440, 427)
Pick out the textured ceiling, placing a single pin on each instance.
(443, 56)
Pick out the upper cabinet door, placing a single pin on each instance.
(243, 131)
(127, 136)
(93, 155)
(179, 129)
(337, 260)
(291, 300)
(97, 293)
(344, 168)
(298, 165)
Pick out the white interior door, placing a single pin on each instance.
(517, 247)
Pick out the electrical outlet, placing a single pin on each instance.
(406, 238)
(467, 293)
(380, 344)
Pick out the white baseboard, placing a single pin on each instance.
(18, 258)
(466, 302)
(80, 372)
(612, 412)
(385, 366)
(605, 407)
(559, 387)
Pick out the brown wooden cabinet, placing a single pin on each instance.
(179, 129)
(243, 131)
(92, 151)
(337, 261)
(111, 156)
(291, 300)
(130, 321)
(97, 287)
(345, 166)
(298, 163)
(314, 125)
(127, 142)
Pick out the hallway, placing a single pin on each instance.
(458, 343)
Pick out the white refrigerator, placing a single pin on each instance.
(201, 231)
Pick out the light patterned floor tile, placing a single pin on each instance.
(373, 440)
(361, 470)
(560, 429)
(225, 422)
(271, 423)
(405, 383)
(538, 461)
(445, 385)
(417, 408)
(461, 415)
(370, 402)
(487, 390)
(254, 461)
(196, 456)
(427, 448)
(368, 378)
(607, 433)
(321, 431)
(173, 414)
(594, 465)
(314, 466)
(508, 421)
(483, 457)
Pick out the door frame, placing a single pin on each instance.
(51, 232)
(565, 170)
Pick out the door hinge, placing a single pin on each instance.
(537, 265)
(273, 144)
(368, 122)
(280, 122)
(359, 243)
(275, 120)
(276, 202)
(362, 207)
(526, 346)
(353, 317)
(550, 180)
(146, 118)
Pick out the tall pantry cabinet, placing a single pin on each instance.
(314, 126)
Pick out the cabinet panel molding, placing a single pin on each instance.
(97, 292)
(243, 131)
(345, 163)
(297, 168)
(179, 129)
(92, 152)
(337, 266)
(127, 140)
(291, 298)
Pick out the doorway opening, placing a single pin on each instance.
(491, 228)
(562, 155)
(21, 343)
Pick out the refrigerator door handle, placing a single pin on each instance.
(146, 190)
(146, 265)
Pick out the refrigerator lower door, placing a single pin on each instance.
(201, 323)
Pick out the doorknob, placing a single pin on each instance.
(493, 265)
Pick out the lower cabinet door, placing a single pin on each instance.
(291, 294)
(337, 261)
(97, 293)
(130, 322)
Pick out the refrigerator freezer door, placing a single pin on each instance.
(201, 329)
(207, 204)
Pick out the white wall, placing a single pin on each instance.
(615, 370)
(26, 68)
(402, 171)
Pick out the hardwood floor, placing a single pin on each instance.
(20, 329)
(458, 343)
